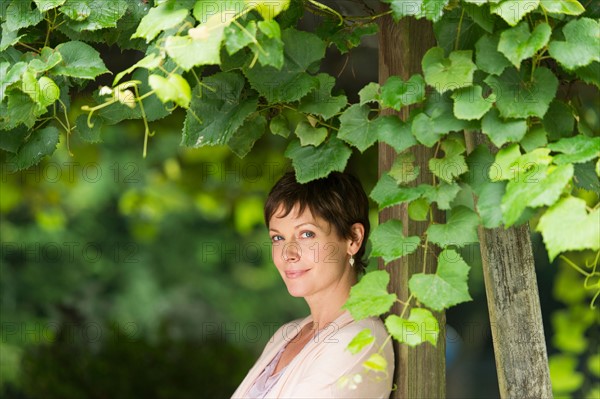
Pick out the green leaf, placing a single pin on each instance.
(534, 138)
(343, 36)
(559, 120)
(394, 132)
(87, 133)
(76, 10)
(173, 88)
(376, 362)
(102, 14)
(320, 101)
(389, 242)
(45, 5)
(447, 287)
(403, 169)
(361, 341)
(370, 93)
(534, 185)
(512, 11)
(590, 74)
(450, 73)
(489, 204)
(369, 297)
(581, 232)
(237, 38)
(203, 49)
(421, 326)
(576, 149)
(20, 15)
(501, 131)
(396, 93)
(9, 37)
(459, 230)
(309, 135)
(419, 210)
(312, 163)
(42, 142)
(452, 164)
(518, 43)
(567, 7)
(443, 194)
(21, 109)
(479, 162)
(47, 59)
(569, 331)
(10, 75)
(269, 9)
(593, 364)
(166, 15)
(244, 138)
(387, 193)
(79, 60)
(469, 103)
(269, 47)
(356, 129)
(487, 56)
(279, 126)
(222, 108)
(291, 83)
(48, 91)
(563, 373)
(437, 120)
(518, 97)
(581, 44)
(505, 159)
(430, 9)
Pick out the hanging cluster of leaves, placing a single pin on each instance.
(241, 69)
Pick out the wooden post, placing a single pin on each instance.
(514, 307)
(421, 371)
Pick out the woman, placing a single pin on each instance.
(318, 232)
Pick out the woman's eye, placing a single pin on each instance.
(276, 238)
(307, 234)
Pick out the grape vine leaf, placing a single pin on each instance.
(10, 75)
(403, 169)
(375, 362)
(243, 139)
(581, 232)
(9, 37)
(79, 60)
(489, 203)
(238, 37)
(390, 243)
(487, 56)
(447, 287)
(42, 142)
(223, 109)
(47, 59)
(512, 11)
(172, 88)
(469, 103)
(590, 74)
(387, 192)
(312, 163)
(268, 47)
(320, 101)
(559, 121)
(576, 149)
(396, 93)
(292, 82)
(421, 326)
(443, 194)
(361, 341)
(356, 129)
(310, 135)
(370, 93)
(581, 44)
(459, 230)
(501, 131)
(519, 43)
(536, 137)
(450, 73)
(518, 97)
(166, 15)
(437, 119)
(87, 133)
(534, 186)
(369, 297)
(188, 51)
(103, 14)
(452, 164)
(430, 9)
(19, 14)
(394, 132)
(567, 7)
(45, 5)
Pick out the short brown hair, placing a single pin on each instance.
(339, 199)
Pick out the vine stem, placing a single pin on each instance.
(574, 266)
(458, 30)
(68, 125)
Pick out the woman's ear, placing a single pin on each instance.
(358, 235)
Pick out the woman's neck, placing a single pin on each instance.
(325, 308)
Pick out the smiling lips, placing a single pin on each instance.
(292, 274)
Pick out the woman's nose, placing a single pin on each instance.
(292, 252)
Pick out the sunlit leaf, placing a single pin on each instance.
(369, 297)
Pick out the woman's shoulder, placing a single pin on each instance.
(374, 324)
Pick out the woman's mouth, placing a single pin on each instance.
(292, 274)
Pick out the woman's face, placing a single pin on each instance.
(309, 255)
